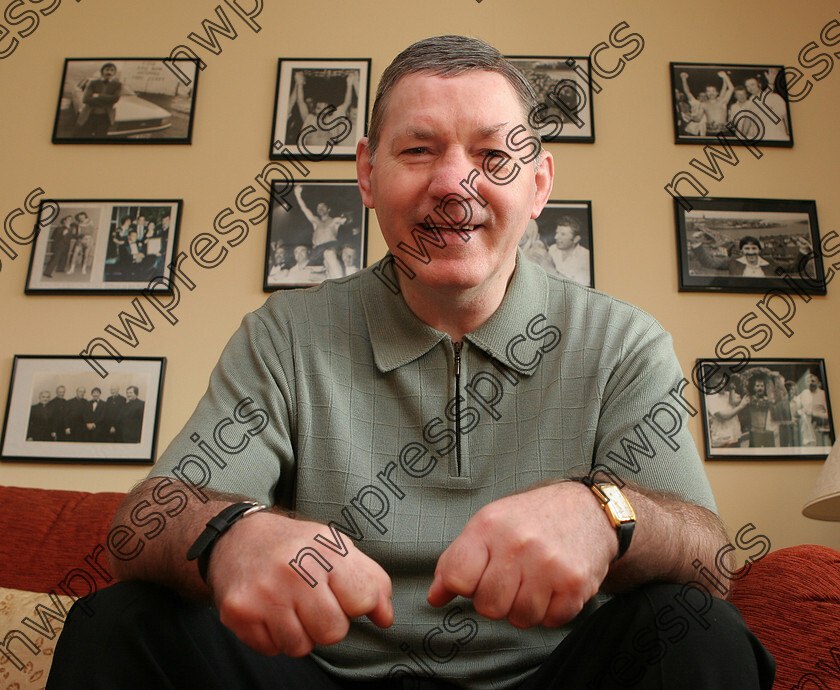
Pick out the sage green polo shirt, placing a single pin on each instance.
(340, 402)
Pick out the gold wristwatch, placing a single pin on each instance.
(618, 510)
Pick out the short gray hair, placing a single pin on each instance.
(447, 56)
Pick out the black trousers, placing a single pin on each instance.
(147, 637)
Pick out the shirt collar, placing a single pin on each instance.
(399, 337)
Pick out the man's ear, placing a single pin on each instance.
(544, 178)
(364, 168)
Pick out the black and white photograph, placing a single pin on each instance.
(104, 245)
(59, 409)
(323, 235)
(126, 101)
(747, 104)
(320, 108)
(564, 97)
(749, 245)
(768, 408)
(560, 241)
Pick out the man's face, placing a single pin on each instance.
(711, 92)
(130, 394)
(348, 256)
(564, 237)
(108, 73)
(95, 394)
(44, 397)
(436, 132)
(80, 392)
(813, 383)
(740, 95)
(59, 392)
(750, 251)
(322, 210)
(132, 236)
(115, 390)
(301, 255)
(759, 389)
(752, 86)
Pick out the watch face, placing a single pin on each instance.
(618, 503)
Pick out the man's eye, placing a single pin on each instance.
(417, 150)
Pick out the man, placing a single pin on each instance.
(94, 418)
(750, 263)
(764, 429)
(723, 409)
(714, 104)
(60, 247)
(813, 413)
(131, 256)
(39, 419)
(130, 421)
(571, 260)
(99, 101)
(325, 245)
(80, 243)
(76, 410)
(313, 138)
(770, 107)
(353, 396)
(58, 415)
(113, 408)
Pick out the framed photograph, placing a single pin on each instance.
(767, 408)
(564, 97)
(104, 245)
(126, 101)
(323, 235)
(560, 241)
(61, 410)
(749, 245)
(320, 108)
(747, 104)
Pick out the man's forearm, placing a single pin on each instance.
(670, 535)
(162, 557)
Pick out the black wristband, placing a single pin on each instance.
(216, 527)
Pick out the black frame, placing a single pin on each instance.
(538, 249)
(747, 127)
(151, 130)
(286, 218)
(342, 144)
(144, 372)
(135, 279)
(776, 419)
(548, 115)
(702, 271)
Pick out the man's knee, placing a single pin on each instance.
(116, 609)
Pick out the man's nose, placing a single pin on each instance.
(451, 169)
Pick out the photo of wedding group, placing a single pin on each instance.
(60, 409)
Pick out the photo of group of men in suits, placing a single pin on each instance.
(115, 419)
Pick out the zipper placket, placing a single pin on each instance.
(456, 346)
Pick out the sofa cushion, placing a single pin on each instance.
(30, 632)
(791, 600)
(47, 534)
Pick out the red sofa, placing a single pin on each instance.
(53, 551)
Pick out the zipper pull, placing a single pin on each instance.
(457, 348)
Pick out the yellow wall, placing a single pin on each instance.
(623, 174)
